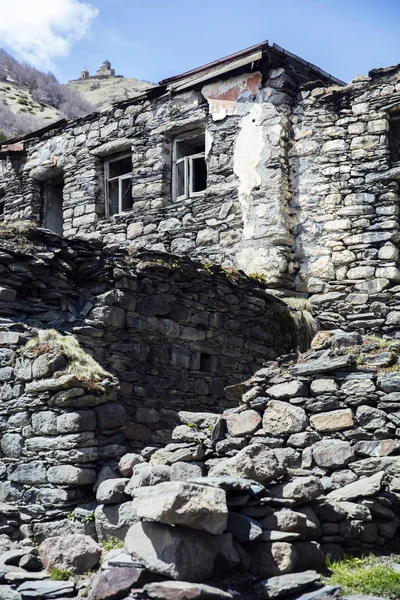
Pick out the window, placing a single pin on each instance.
(2, 204)
(52, 193)
(394, 137)
(118, 184)
(190, 172)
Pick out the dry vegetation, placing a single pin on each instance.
(30, 99)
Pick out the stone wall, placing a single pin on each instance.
(172, 332)
(242, 219)
(308, 462)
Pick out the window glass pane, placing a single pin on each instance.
(199, 174)
(120, 167)
(126, 185)
(180, 179)
(113, 193)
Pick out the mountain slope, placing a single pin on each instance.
(101, 92)
(30, 99)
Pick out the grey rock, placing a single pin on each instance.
(371, 418)
(7, 593)
(148, 475)
(46, 365)
(253, 462)
(243, 528)
(29, 473)
(46, 589)
(128, 462)
(270, 559)
(12, 445)
(284, 391)
(117, 582)
(281, 418)
(389, 382)
(332, 453)
(182, 471)
(367, 486)
(113, 521)
(69, 475)
(181, 590)
(304, 439)
(183, 503)
(44, 423)
(112, 491)
(110, 415)
(284, 585)
(71, 422)
(175, 552)
(323, 365)
(299, 489)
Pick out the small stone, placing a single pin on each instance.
(244, 423)
(273, 559)
(332, 453)
(243, 528)
(113, 521)
(323, 386)
(299, 489)
(46, 589)
(335, 420)
(147, 475)
(292, 583)
(282, 418)
(112, 491)
(285, 391)
(253, 462)
(182, 590)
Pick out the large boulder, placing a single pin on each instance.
(253, 462)
(182, 503)
(174, 552)
(72, 553)
(282, 418)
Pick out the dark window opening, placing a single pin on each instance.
(206, 362)
(53, 205)
(2, 205)
(190, 171)
(394, 138)
(118, 175)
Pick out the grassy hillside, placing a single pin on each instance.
(102, 92)
(30, 99)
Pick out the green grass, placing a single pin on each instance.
(364, 575)
(80, 364)
(59, 574)
(112, 543)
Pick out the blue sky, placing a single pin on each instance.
(154, 39)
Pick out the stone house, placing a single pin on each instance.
(259, 161)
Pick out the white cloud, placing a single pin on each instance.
(42, 31)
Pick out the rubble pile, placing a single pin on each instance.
(252, 501)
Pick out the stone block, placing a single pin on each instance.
(335, 420)
(71, 422)
(71, 476)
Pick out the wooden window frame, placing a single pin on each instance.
(188, 167)
(120, 178)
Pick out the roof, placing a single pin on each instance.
(196, 76)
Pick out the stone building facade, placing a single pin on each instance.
(259, 161)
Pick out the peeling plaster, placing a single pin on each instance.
(223, 95)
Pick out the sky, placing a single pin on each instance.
(155, 39)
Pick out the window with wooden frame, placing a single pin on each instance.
(118, 184)
(394, 137)
(189, 166)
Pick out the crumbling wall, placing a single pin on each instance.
(346, 202)
(241, 220)
(172, 332)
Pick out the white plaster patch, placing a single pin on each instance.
(248, 150)
(223, 95)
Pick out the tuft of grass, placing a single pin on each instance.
(80, 364)
(299, 303)
(59, 574)
(17, 234)
(260, 277)
(364, 575)
(112, 543)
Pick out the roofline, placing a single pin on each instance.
(215, 63)
(161, 87)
